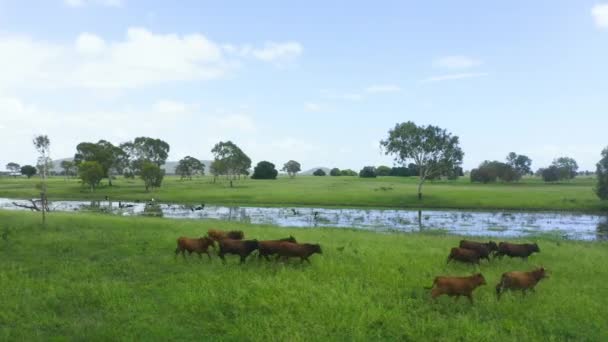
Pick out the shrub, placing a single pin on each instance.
(335, 172)
(383, 171)
(152, 175)
(491, 171)
(264, 170)
(550, 174)
(348, 172)
(319, 172)
(368, 172)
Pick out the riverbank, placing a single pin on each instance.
(531, 194)
(98, 277)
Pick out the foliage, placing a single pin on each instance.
(91, 173)
(491, 171)
(432, 149)
(141, 150)
(368, 172)
(13, 168)
(319, 172)
(115, 278)
(292, 167)
(601, 189)
(233, 161)
(108, 156)
(28, 170)
(69, 167)
(152, 175)
(550, 174)
(348, 172)
(189, 166)
(567, 167)
(520, 163)
(335, 172)
(383, 170)
(264, 170)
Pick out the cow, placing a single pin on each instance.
(199, 246)
(484, 249)
(270, 247)
(516, 250)
(464, 255)
(241, 248)
(287, 250)
(520, 281)
(456, 286)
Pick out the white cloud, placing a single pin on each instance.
(456, 62)
(313, 107)
(81, 3)
(278, 52)
(142, 58)
(455, 76)
(600, 15)
(383, 88)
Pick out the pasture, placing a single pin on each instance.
(94, 277)
(381, 192)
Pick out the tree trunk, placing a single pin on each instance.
(110, 180)
(231, 183)
(43, 205)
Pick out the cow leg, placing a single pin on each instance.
(266, 257)
(221, 255)
(449, 259)
(209, 255)
(470, 296)
(176, 252)
(243, 259)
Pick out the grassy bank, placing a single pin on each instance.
(99, 277)
(393, 192)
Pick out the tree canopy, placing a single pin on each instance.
(431, 148)
(335, 172)
(108, 156)
(601, 171)
(292, 167)
(232, 160)
(368, 172)
(319, 172)
(143, 149)
(520, 163)
(28, 171)
(152, 175)
(264, 170)
(189, 166)
(91, 173)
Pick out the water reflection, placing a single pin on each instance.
(495, 224)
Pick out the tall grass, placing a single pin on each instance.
(94, 277)
(396, 192)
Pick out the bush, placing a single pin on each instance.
(264, 170)
(550, 174)
(335, 172)
(348, 172)
(368, 172)
(491, 171)
(152, 175)
(383, 171)
(319, 172)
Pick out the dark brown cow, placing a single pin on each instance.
(287, 250)
(456, 286)
(270, 247)
(520, 281)
(218, 235)
(199, 246)
(464, 255)
(523, 250)
(241, 248)
(484, 249)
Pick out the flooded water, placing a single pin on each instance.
(573, 226)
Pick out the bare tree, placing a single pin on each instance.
(43, 146)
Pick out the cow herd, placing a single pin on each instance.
(471, 252)
(232, 242)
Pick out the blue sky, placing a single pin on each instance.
(311, 81)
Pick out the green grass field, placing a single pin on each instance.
(383, 192)
(95, 277)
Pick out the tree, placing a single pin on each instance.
(216, 168)
(28, 170)
(383, 170)
(13, 168)
(68, 167)
(368, 172)
(400, 172)
(520, 163)
(189, 166)
(292, 167)
(431, 148)
(43, 146)
(550, 174)
(91, 173)
(335, 172)
(490, 171)
(110, 157)
(152, 175)
(265, 170)
(319, 172)
(143, 149)
(348, 172)
(601, 171)
(233, 160)
(567, 167)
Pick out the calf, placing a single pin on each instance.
(193, 245)
(456, 286)
(241, 248)
(270, 247)
(516, 250)
(484, 249)
(218, 235)
(464, 255)
(286, 250)
(520, 281)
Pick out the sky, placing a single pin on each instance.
(315, 81)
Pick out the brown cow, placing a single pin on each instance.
(270, 247)
(286, 250)
(217, 235)
(456, 286)
(520, 281)
(484, 249)
(523, 250)
(199, 246)
(464, 255)
(241, 248)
